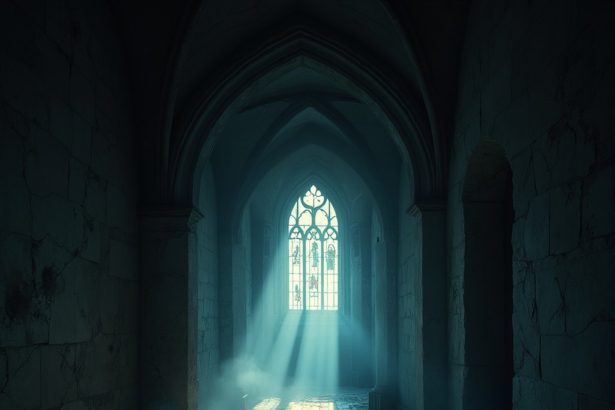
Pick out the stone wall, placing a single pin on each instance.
(538, 80)
(68, 257)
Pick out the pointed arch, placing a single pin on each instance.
(402, 111)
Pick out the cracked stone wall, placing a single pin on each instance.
(538, 79)
(68, 262)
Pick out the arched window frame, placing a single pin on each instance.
(313, 219)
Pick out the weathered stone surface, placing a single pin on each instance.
(534, 80)
(76, 305)
(60, 220)
(46, 165)
(16, 213)
(11, 149)
(536, 236)
(54, 237)
(599, 204)
(21, 389)
(551, 289)
(565, 222)
(60, 370)
(526, 330)
(77, 174)
(588, 367)
(24, 319)
(529, 394)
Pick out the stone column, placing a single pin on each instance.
(169, 311)
(384, 394)
(432, 329)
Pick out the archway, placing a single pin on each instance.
(231, 123)
(487, 290)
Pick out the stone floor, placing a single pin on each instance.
(348, 399)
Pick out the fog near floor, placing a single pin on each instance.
(286, 354)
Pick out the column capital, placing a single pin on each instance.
(170, 218)
(426, 206)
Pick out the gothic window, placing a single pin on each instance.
(313, 253)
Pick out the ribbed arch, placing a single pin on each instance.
(405, 116)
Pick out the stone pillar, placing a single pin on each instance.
(384, 394)
(432, 329)
(169, 310)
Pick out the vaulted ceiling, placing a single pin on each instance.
(208, 80)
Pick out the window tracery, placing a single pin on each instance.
(313, 253)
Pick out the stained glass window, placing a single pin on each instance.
(313, 253)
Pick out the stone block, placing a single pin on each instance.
(81, 143)
(582, 362)
(100, 358)
(95, 196)
(564, 153)
(61, 120)
(75, 405)
(14, 120)
(81, 96)
(517, 239)
(15, 206)
(77, 176)
(12, 147)
(536, 234)
(589, 289)
(75, 311)
(60, 371)
(535, 394)
(25, 317)
(56, 64)
(523, 181)
(599, 204)
(526, 333)
(551, 287)
(59, 219)
(23, 383)
(92, 243)
(20, 90)
(564, 211)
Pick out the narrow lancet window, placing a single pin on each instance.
(313, 253)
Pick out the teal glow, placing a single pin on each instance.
(286, 354)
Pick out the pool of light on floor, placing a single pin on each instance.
(311, 405)
(268, 404)
(273, 403)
